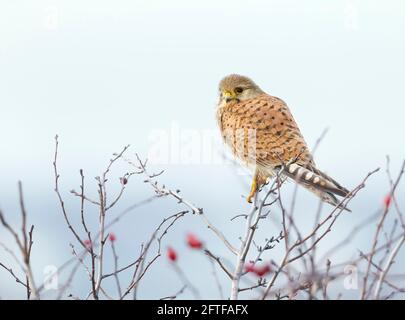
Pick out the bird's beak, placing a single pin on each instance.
(228, 96)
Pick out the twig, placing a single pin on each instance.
(174, 296)
(218, 260)
(250, 228)
(13, 275)
(24, 245)
(117, 280)
(377, 232)
(332, 216)
(387, 266)
(163, 191)
(140, 271)
(61, 202)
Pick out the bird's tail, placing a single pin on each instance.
(317, 182)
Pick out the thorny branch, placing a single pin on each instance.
(299, 271)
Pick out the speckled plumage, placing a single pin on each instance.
(261, 131)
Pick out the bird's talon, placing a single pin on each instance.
(253, 190)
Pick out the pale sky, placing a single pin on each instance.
(104, 74)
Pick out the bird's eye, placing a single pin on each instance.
(238, 90)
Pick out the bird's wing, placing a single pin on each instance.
(278, 138)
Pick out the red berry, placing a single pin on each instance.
(193, 241)
(87, 242)
(112, 237)
(387, 200)
(171, 254)
(261, 271)
(250, 267)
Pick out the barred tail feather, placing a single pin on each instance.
(317, 182)
(326, 197)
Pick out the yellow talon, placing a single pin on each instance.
(253, 190)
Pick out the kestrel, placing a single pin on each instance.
(262, 133)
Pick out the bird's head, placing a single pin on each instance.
(237, 88)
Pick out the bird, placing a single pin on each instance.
(261, 132)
